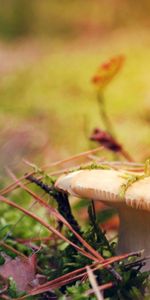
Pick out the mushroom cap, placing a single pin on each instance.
(105, 185)
(64, 183)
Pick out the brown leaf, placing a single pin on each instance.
(22, 270)
(104, 138)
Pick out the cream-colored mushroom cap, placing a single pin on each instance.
(64, 183)
(105, 185)
(133, 206)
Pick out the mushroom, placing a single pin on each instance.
(133, 206)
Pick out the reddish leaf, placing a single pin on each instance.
(22, 270)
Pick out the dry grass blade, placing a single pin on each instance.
(101, 288)
(69, 159)
(92, 253)
(13, 250)
(121, 257)
(49, 227)
(76, 275)
(60, 281)
(94, 284)
(59, 217)
(36, 239)
(125, 164)
(118, 164)
(132, 166)
(4, 297)
(63, 280)
(85, 154)
(70, 277)
(13, 185)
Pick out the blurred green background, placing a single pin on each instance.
(49, 50)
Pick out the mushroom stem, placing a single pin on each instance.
(134, 231)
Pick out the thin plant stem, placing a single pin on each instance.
(104, 116)
(126, 155)
(108, 125)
